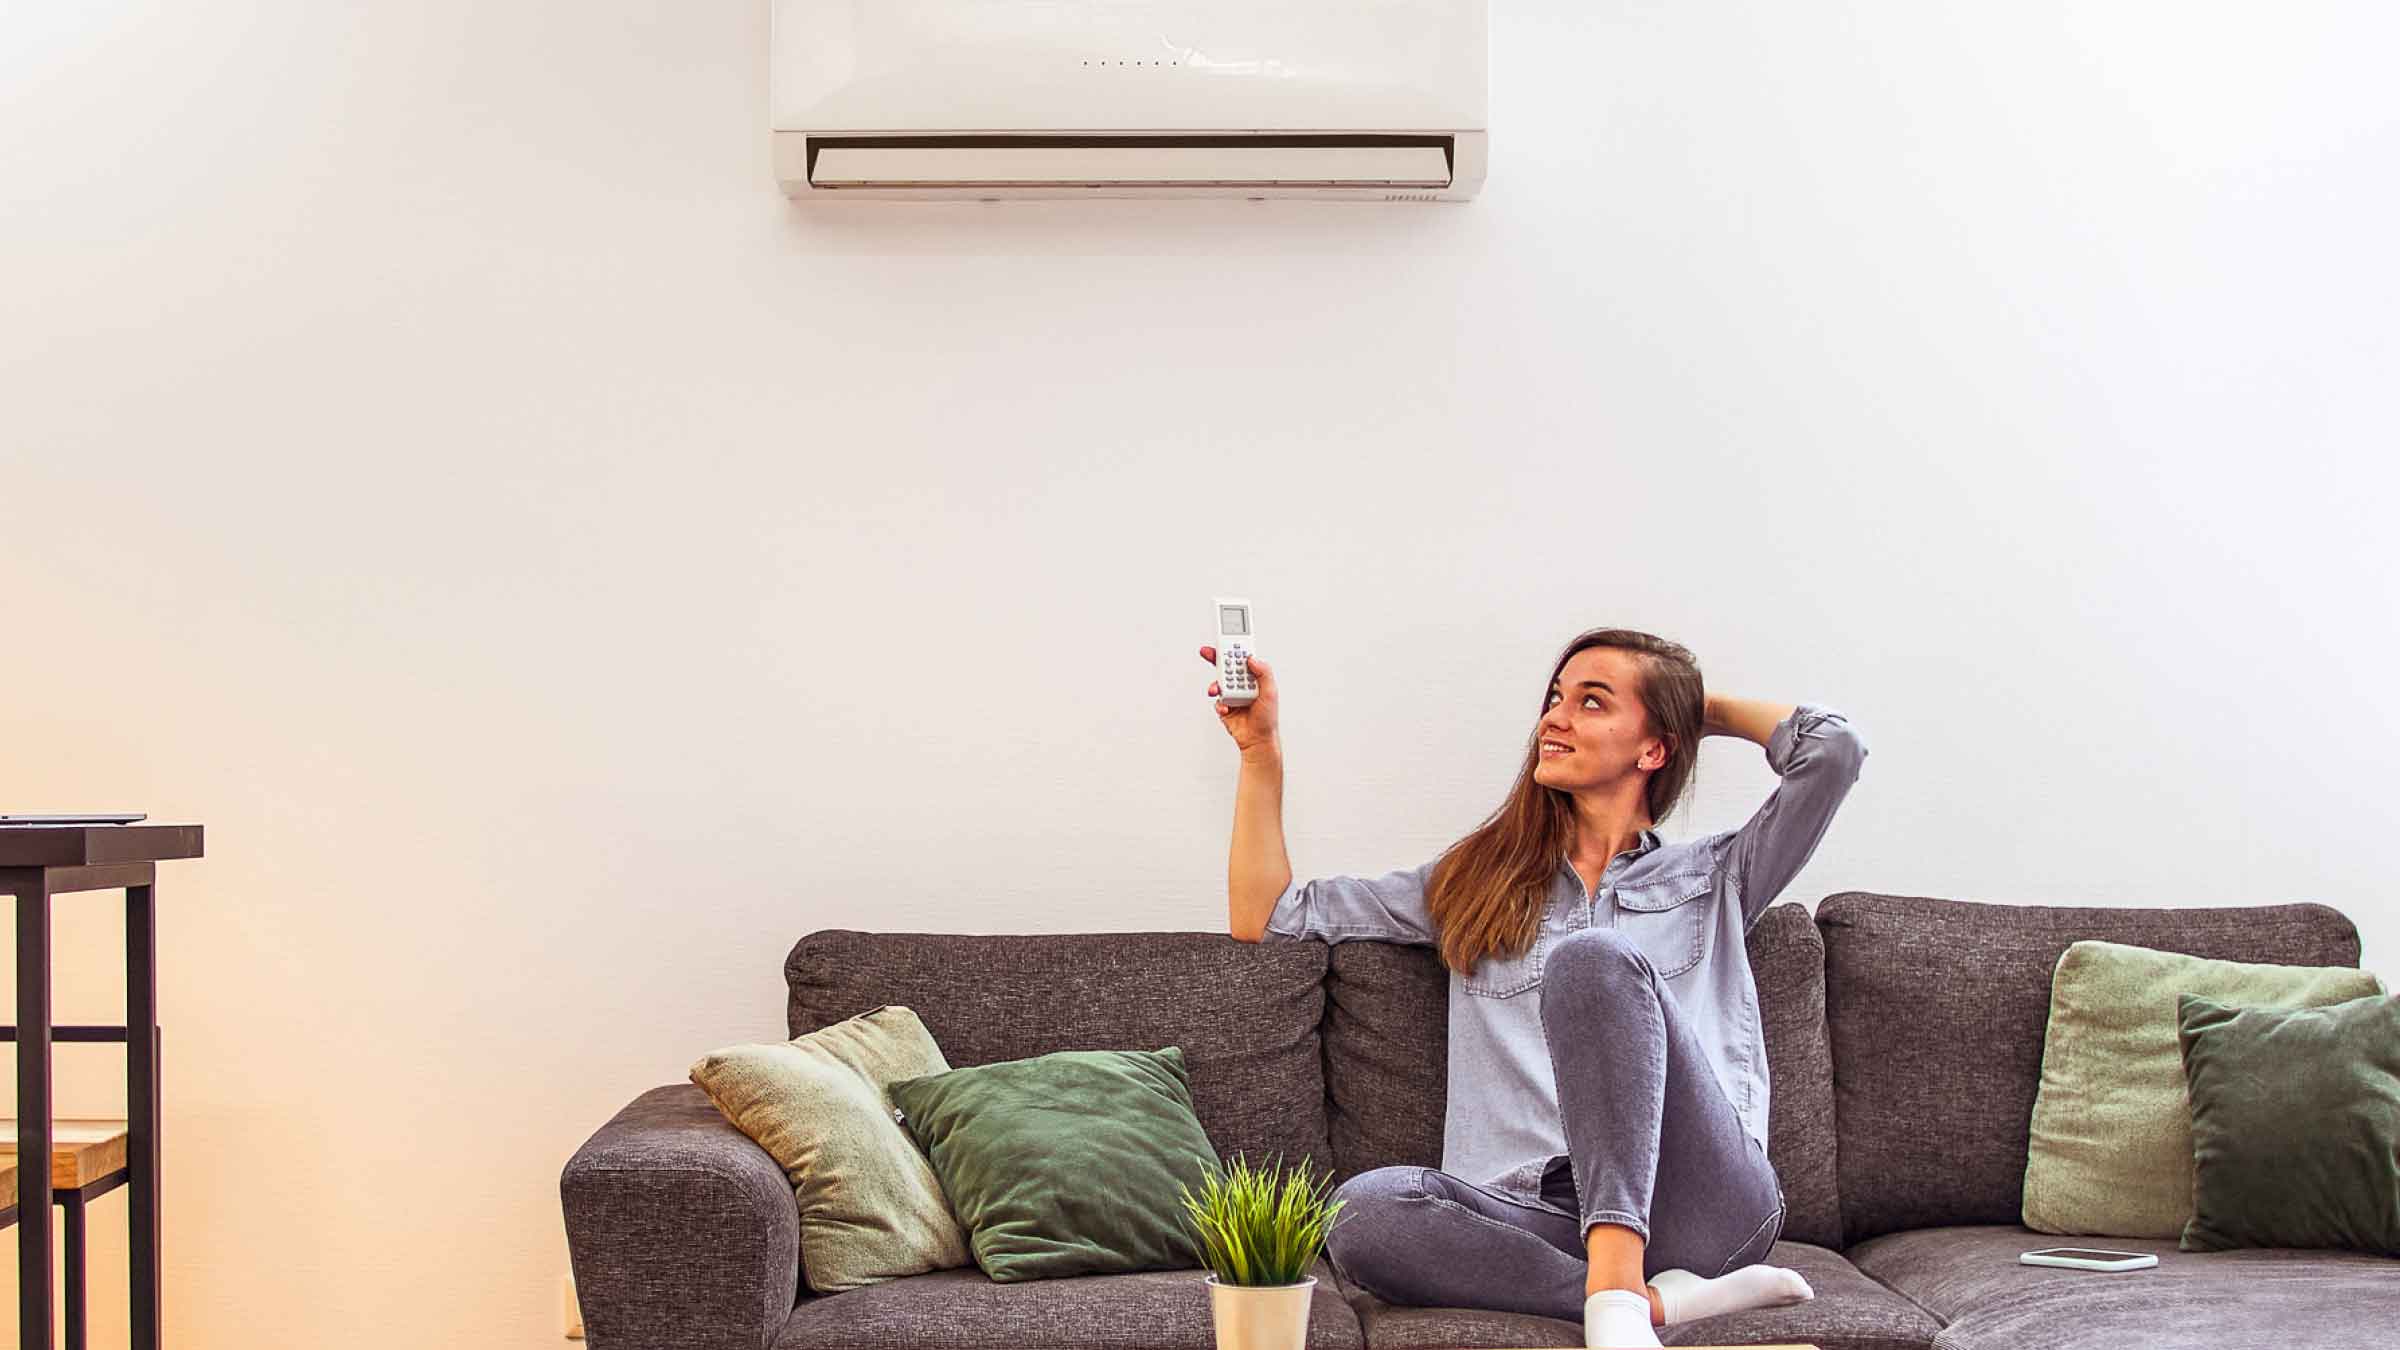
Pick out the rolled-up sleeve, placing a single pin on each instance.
(1817, 754)
(1388, 908)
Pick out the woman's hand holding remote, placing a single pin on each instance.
(1253, 727)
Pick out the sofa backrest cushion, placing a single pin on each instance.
(1787, 961)
(1246, 1014)
(1387, 1062)
(1937, 1010)
(1387, 1055)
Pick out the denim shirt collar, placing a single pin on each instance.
(1648, 842)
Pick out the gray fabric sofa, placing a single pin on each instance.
(1904, 1036)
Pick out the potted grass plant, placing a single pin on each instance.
(1259, 1234)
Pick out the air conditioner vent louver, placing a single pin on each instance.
(1367, 163)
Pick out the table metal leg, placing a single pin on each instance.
(71, 1208)
(141, 1097)
(35, 1316)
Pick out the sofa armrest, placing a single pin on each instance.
(682, 1231)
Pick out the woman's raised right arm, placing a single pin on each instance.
(1258, 875)
(1259, 871)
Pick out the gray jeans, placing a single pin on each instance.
(1652, 1144)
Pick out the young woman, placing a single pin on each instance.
(1604, 1147)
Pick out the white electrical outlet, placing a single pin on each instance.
(570, 1312)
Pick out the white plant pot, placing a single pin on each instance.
(1261, 1317)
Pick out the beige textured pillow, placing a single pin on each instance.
(2111, 1153)
(871, 1208)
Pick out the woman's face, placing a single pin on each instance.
(1595, 710)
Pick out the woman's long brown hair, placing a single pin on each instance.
(1487, 893)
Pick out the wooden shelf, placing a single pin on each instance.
(81, 1152)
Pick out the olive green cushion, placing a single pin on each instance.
(2110, 1146)
(2295, 1125)
(871, 1208)
(1070, 1163)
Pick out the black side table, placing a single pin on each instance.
(36, 863)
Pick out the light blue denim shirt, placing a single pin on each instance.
(1688, 906)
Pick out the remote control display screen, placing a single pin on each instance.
(1233, 620)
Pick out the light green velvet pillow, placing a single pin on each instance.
(871, 1208)
(2295, 1125)
(2110, 1152)
(1069, 1163)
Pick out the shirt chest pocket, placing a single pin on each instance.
(1497, 976)
(1668, 918)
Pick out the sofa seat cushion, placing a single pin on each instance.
(1850, 1312)
(1970, 1278)
(1146, 1310)
(1245, 1014)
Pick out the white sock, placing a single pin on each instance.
(1618, 1317)
(1683, 1296)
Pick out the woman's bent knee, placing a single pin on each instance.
(1595, 953)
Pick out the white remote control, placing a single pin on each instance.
(1235, 633)
(2088, 1258)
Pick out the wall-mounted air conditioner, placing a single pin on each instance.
(1369, 100)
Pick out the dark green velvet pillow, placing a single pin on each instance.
(2295, 1124)
(1065, 1164)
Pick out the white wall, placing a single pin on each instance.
(560, 573)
